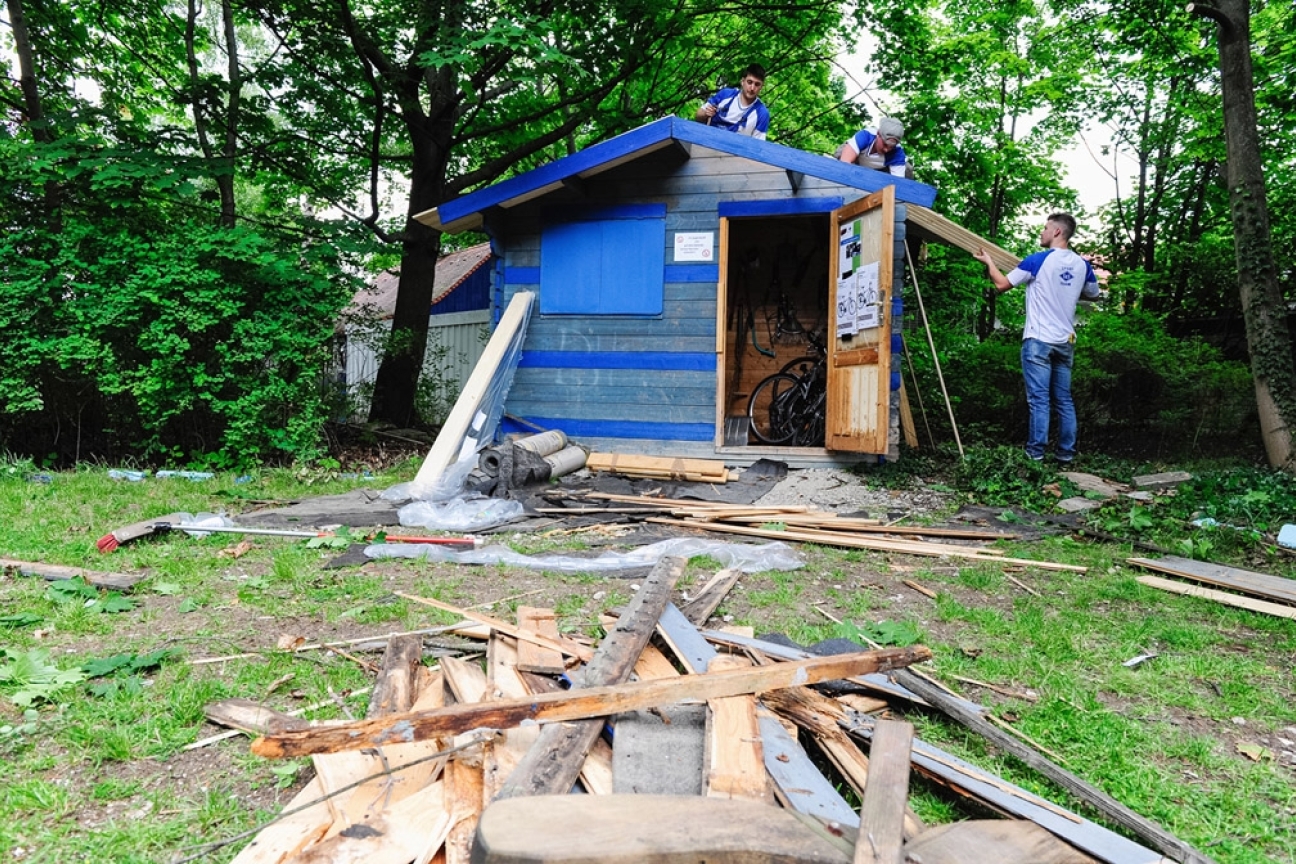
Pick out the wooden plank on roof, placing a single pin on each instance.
(956, 235)
(1249, 582)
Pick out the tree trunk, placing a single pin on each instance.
(396, 383)
(33, 112)
(1263, 309)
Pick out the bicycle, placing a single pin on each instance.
(788, 406)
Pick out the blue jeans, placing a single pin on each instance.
(1046, 367)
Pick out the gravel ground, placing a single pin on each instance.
(842, 492)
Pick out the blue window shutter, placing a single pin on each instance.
(604, 265)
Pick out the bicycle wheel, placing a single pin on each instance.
(771, 408)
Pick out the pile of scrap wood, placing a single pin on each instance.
(659, 467)
(688, 742)
(796, 523)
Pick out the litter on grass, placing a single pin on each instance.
(738, 556)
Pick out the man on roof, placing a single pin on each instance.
(739, 109)
(880, 150)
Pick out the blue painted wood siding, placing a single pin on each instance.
(627, 377)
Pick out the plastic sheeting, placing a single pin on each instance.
(748, 558)
(460, 514)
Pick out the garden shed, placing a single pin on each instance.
(676, 266)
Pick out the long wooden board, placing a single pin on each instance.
(835, 538)
(580, 704)
(1190, 590)
(1260, 585)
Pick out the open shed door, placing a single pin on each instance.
(859, 337)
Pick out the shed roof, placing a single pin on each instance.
(466, 212)
(451, 271)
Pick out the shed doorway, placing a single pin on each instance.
(803, 371)
(774, 312)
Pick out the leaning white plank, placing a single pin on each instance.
(497, 361)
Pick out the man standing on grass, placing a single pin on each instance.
(1055, 280)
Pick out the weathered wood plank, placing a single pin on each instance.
(582, 703)
(701, 607)
(993, 841)
(1189, 589)
(881, 832)
(57, 573)
(1260, 585)
(539, 658)
(629, 829)
(735, 761)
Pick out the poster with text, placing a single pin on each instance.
(868, 308)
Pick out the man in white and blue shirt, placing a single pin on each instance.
(879, 150)
(1055, 280)
(739, 109)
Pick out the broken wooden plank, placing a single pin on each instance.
(798, 784)
(1260, 585)
(1240, 601)
(565, 646)
(552, 765)
(581, 704)
(881, 831)
(664, 829)
(58, 573)
(536, 658)
(701, 607)
(734, 764)
(992, 841)
(823, 717)
(394, 690)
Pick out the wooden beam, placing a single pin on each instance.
(956, 235)
(581, 704)
(881, 832)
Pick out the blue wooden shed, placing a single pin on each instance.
(675, 267)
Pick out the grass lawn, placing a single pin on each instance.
(101, 692)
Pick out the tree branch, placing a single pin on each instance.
(1225, 23)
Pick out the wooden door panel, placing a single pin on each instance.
(859, 362)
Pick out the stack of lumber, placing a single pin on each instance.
(475, 761)
(659, 467)
(799, 524)
(1245, 589)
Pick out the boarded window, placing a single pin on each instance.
(608, 261)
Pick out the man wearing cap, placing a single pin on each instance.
(739, 109)
(880, 150)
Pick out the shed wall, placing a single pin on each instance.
(638, 384)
